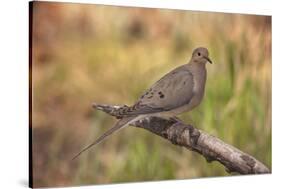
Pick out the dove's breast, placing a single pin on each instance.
(199, 80)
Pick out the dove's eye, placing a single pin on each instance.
(199, 54)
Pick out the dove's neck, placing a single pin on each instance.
(199, 73)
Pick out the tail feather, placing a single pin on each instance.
(120, 124)
(111, 110)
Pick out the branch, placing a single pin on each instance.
(212, 148)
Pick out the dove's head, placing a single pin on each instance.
(201, 55)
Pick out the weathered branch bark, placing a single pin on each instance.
(212, 148)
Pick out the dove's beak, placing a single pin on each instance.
(208, 59)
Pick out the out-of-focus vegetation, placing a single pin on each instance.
(88, 53)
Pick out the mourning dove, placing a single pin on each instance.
(178, 91)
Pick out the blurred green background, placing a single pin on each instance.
(93, 53)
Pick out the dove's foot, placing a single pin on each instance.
(176, 120)
(194, 135)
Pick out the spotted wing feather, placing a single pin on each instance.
(173, 90)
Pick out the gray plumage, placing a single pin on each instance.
(178, 91)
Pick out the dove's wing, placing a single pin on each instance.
(173, 90)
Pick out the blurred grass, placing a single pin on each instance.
(88, 53)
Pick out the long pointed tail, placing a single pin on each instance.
(120, 124)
